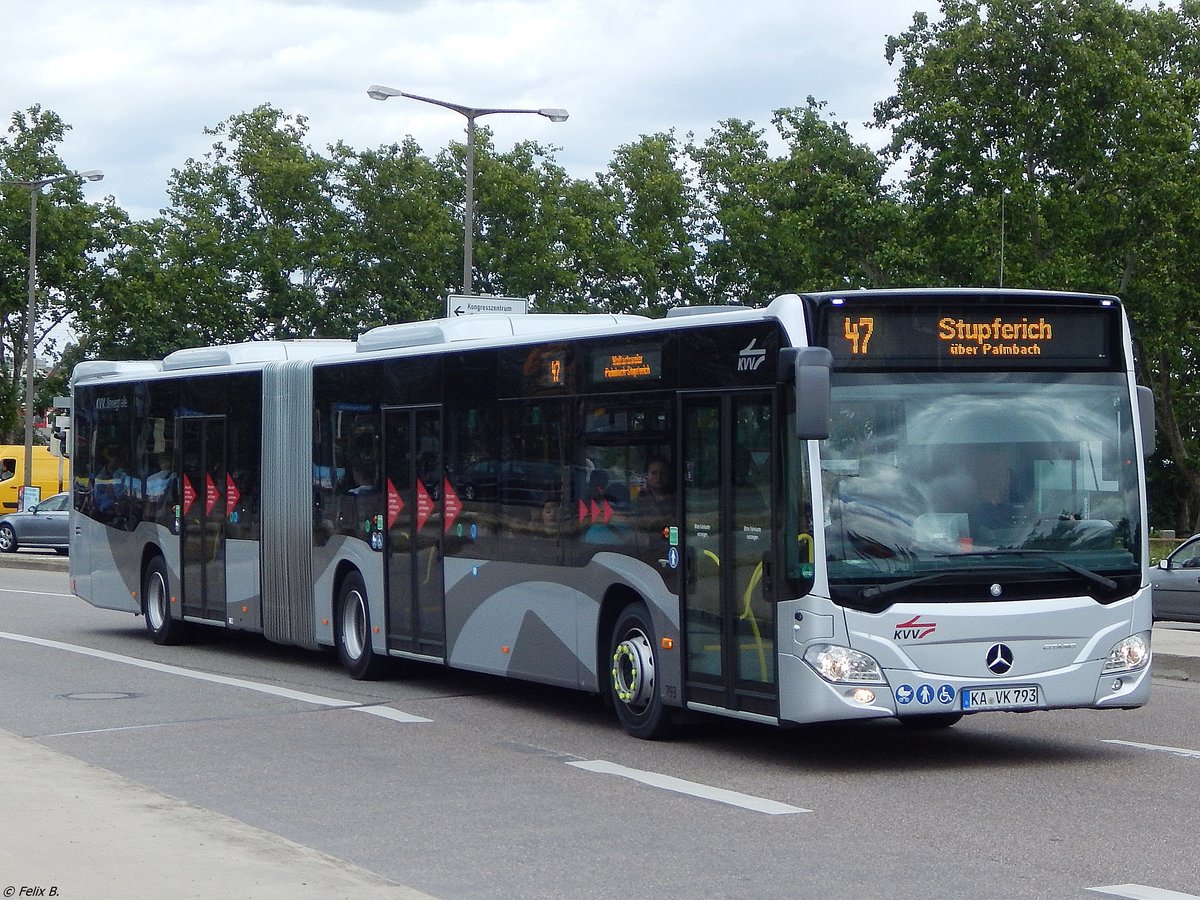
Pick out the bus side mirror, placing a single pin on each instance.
(809, 368)
(60, 442)
(1145, 402)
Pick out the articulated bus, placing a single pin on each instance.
(910, 504)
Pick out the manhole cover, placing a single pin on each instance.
(100, 695)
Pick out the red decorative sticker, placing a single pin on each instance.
(189, 495)
(424, 505)
(232, 495)
(453, 506)
(210, 494)
(395, 504)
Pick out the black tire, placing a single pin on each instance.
(633, 687)
(932, 721)
(156, 605)
(8, 540)
(352, 631)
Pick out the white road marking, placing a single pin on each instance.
(1141, 892)
(691, 788)
(286, 693)
(1178, 751)
(386, 712)
(109, 730)
(36, 593)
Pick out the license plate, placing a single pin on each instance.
(1016, 697)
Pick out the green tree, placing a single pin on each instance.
(253, 225)
(1059, 137)
(247, 249)
(402, 235)
(522, 227)
(143, 308)
(70, 237)
(819, 217)
(654, 264)
(594, 247)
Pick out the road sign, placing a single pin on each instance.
(479, 304)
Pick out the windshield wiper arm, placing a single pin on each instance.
(1094, 577)
(880, 590)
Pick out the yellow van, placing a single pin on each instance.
(50, 473)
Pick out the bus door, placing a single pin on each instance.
(413, 480)
(729, 625)
(202, 516)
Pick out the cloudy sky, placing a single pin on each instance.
(139, 80)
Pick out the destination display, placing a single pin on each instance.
(626, 364)
(972, 336)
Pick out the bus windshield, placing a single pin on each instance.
(932, 481)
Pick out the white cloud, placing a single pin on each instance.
(139, 81)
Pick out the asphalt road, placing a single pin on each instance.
(464, 786)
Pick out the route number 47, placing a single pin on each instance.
(858, 333)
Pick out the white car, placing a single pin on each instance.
(46, 525)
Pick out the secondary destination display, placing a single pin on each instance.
(972, 336)
(626, 364)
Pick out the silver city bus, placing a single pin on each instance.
(871, 504)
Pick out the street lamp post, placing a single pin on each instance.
(35, 186)
(380, 92)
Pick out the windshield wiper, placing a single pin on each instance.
(1094, 577)
(880, 590)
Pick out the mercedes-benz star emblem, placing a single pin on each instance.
(999, 659)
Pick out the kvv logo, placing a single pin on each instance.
(750, 358)
(914, 629)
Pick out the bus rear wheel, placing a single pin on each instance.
(353, 631)
(633, 685)
(156, 605)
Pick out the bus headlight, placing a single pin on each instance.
(1131, 653)
(842, 665)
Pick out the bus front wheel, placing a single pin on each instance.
(633, 686)
(156, 605)
(353, 632)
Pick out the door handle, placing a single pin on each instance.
(768, 583)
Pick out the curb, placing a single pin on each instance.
(1175, 668)
(48, 563)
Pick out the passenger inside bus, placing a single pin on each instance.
(601, 489)
(362, 473)
(551, 518)
(656, 500)
(160, 489)
(111, 486)
(992, 513)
